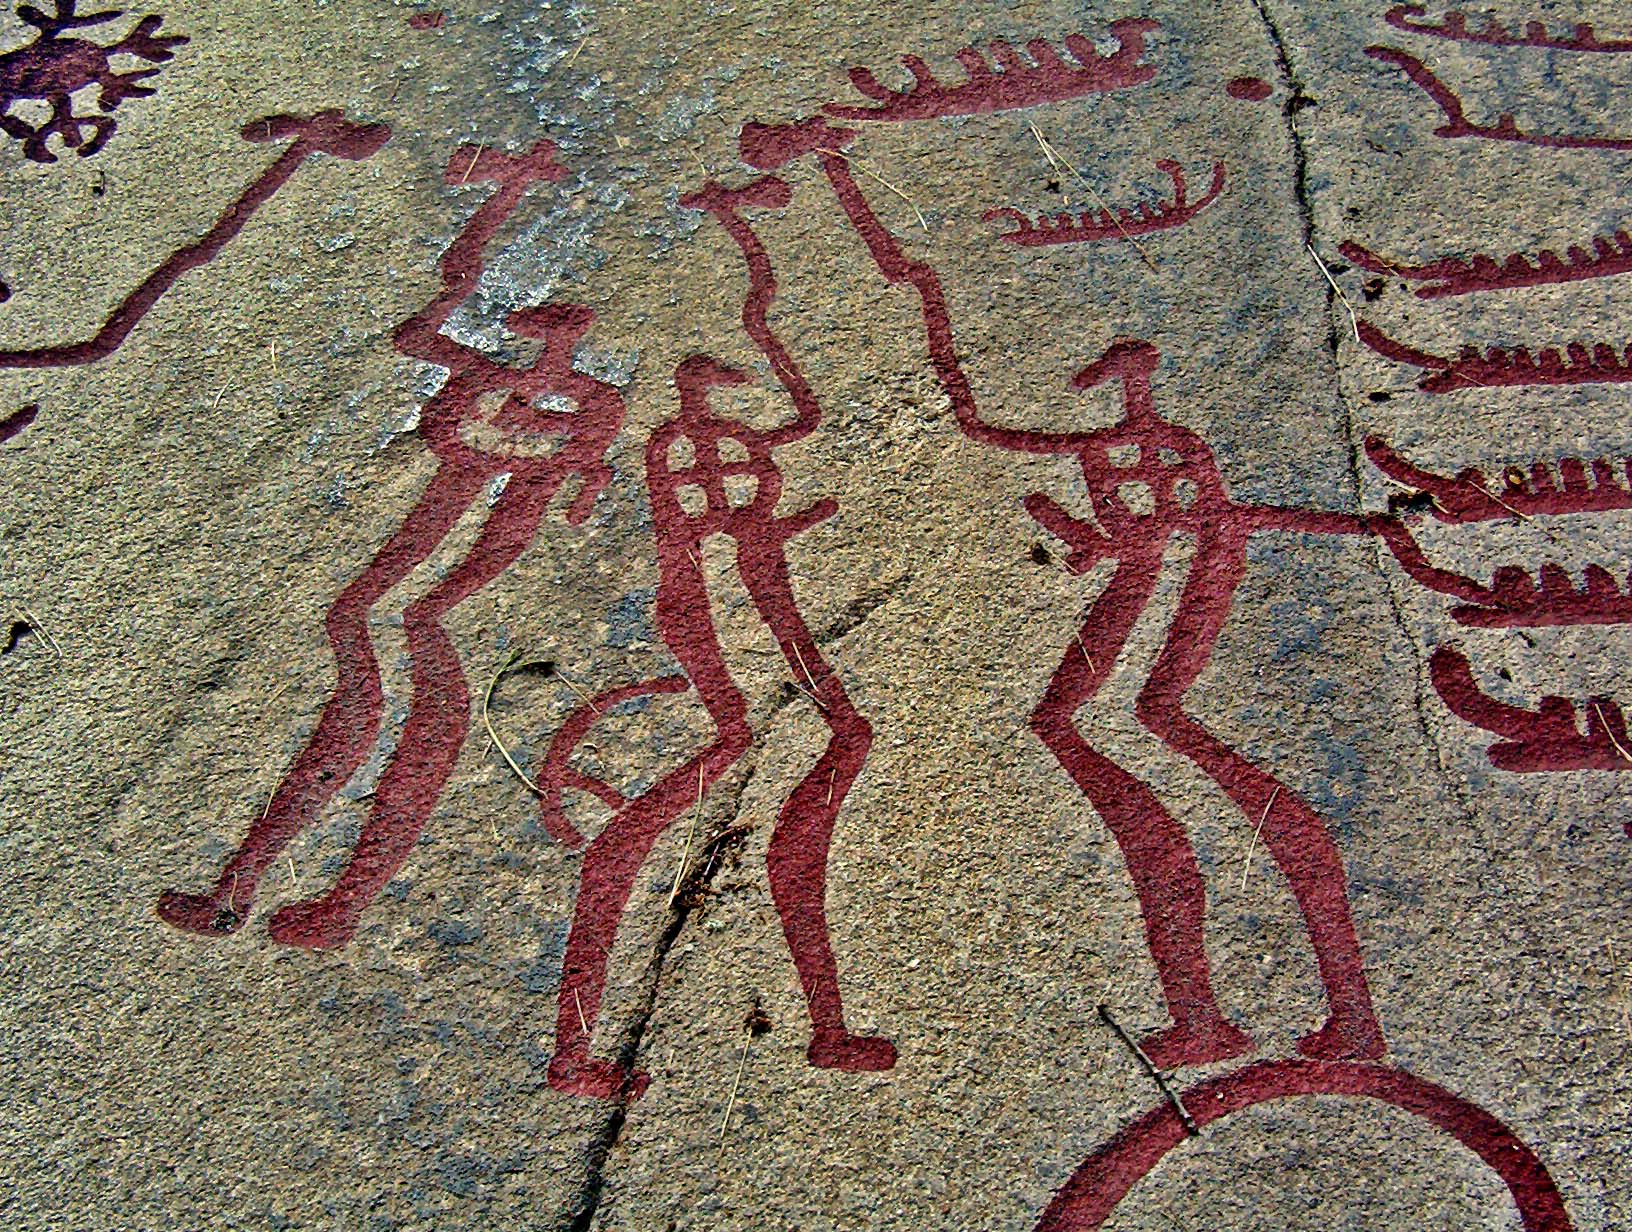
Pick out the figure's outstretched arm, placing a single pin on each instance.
(898, 268)
(462, 264)
(726, 206)
(327, 132)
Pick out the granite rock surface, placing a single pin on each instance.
(865, 616)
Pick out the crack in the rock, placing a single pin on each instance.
(1297, 98)
(690, 894)
(852, 614)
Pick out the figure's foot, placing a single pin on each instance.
(207, 914)
(1348, 1037)
(317, 924)
(1195, 1044)
(579, 1075)
(856, 1053)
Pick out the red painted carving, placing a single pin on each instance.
(1580, 363)
(52, 69)
(1513, 598)
(711, 475)
(1458, 276)
(1010, 80)
(1086, 1201)
(486, 421)
(1123, 225)
(1248, 89)
(1551, 738)
(1455, 26)
(18, 421)
(327, 132)
(1149, 480)
(432, 20)
(1599, 486)
(1152, 480)
(1506, 128)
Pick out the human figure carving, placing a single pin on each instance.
(485, 422)
(711, 475)
(1151, 480)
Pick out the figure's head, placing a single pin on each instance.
(558, 326)
(697, 374)
(1130, 360)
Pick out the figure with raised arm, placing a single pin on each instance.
(708, 474)
(1152, 480)
(486, 421)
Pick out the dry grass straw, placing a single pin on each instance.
(873, 175)
(736, 1083)
(1246, 867)
(35, 624)
(1354, 321)
(1608, 731)
(511, 665)
(691, 830)
(1056, 160)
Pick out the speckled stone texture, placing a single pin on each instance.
(506, 458)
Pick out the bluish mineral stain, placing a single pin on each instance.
(629, 622)
(451, 933)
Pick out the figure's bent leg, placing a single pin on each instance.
(346, 731)
(1160, 860)
(438, 721)
(1293, 833)
(611, 863)
(613, 859)
(796, 862)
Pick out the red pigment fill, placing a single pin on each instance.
(559, 775)
(1580, 363)
(1009, 79)
(1087, 1200)
(707, 475)
(1251, 89)
(770, 147)
(1123, 224)
(1506, 128)
(52, 69)
(1598, 486)
(1455, 26)
(1458, 276)
(1514, 598)
(1174, 469)
(1550, 738)
(17, 421)
(428, 21)
(478, 393)
(327, 132)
